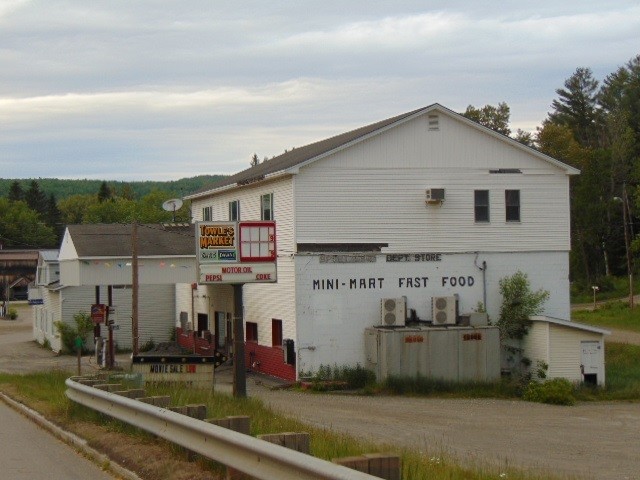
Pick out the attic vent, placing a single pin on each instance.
(434, 123)
(506, 170)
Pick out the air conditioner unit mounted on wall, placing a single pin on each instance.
(393, 311)
(434, 196)
(444, 310)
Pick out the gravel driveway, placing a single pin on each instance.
(590, 440)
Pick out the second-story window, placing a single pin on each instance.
(481, 205)
(234, 211)
(266, 206)
(512, 205)
(206, 214)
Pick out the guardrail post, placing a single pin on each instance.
(237, 423)
(377, 464)
(108, 387)
(158, 400)
(133, 393)
(295, 441)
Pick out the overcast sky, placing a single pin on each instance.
(160, 90)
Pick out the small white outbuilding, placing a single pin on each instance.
(572, 350)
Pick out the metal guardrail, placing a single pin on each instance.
(260, 459)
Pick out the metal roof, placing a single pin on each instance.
(115, 240)
(570, 324)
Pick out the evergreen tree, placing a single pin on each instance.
(577, 106)
(255, 160)
(104, 193)
(16, 193)
(54, 217)
(36, 199)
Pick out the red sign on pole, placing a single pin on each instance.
(98, 312)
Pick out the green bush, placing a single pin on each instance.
(13, 313)
(332, 378)
(69, 333)
(558, 391)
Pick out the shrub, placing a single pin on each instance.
(558, 391)
(83, 326)
(518, 304)
(332, 378)
(13, 313)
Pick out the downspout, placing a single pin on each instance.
(483, 269)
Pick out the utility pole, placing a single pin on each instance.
(134, 288)
(626, 218)
(239, 373)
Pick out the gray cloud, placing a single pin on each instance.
(166, 89)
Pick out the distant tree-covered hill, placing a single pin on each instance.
(62, 189)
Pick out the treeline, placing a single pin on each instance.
(31, 217)
(65, 188)
(593, 125)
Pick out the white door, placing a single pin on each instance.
(592, 358)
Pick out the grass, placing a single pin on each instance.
(612, 314)
(45, 393)
(623, 375)
(609, 288)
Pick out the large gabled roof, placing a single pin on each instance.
(289, 161)
(114, 240)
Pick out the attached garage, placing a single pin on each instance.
(574, 351)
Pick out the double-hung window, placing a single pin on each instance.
(512, 205)
(481, 205)
(206, 214)
(234, 211)
(266, 206)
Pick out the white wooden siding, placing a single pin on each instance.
(262, 302)
(44, 318)
(565, 351)
(536, 343)
(249, 198)
(375, 192)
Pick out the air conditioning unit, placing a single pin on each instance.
(434, 196)
(443, 310)
(393, 311)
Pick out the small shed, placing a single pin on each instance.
(572, 350)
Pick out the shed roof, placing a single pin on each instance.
(570, 324)
(19, 255)
(114, 240)
(49, 255)
(297, 157)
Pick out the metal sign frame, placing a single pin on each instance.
(236, 252)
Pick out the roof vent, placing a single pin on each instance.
(434, 123)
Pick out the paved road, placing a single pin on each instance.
(591, 440)
(29, 453)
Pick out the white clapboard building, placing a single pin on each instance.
(94, 266)
(423, 206)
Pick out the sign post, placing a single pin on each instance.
(236, 253)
